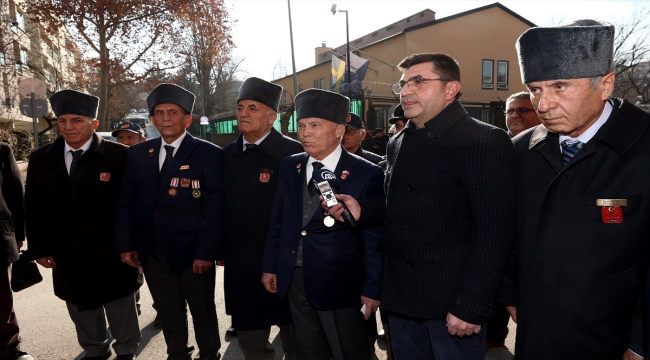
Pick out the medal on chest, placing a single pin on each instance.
(265, 175)
(328, 221)
(173, 187)
(611, 210)
(196, 186)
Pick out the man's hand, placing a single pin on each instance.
(337, 210)
(201, 265)
(460, 328)
(221, 262)
(131, 258)
(47, 262)
(513, 312)
(269, 281)
(20, 244)
(629, 355)
(371, 306)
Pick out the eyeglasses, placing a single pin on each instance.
(520, 111)
(414, 83)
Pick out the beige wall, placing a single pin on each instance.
(488, 34)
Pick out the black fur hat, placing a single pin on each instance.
(322, 104)
(170, 94)
(74, 102)
(261, 91)
(581, 49)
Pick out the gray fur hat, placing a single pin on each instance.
(581, 49)
(322, 104)
(170, 94)
(261, 91)
(74, 102)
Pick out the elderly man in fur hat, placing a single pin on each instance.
(251, 174)
(326, 269)
(169, 222)
(576, 282)
(70, 199)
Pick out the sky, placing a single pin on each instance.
(261, 30)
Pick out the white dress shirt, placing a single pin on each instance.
(257, 142)
(329, 162)
(163, 153)
(67, 152)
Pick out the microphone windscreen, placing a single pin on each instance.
(320, 175)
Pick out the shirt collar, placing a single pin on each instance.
(593, 129)
(83, 147)
(244, 142)
(329, 162)
(176, 143)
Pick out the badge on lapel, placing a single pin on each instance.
(298, 167)
(151, 152)
(611, 210)
(104, 176)
(265, 175)
(185, 167)
(345, 174)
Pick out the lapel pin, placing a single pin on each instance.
(344, 174)
(298, 167)
(151, 152)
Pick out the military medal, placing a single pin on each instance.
(611, 210)
(105, 176)
(172, 187)
(196, 186)
(328, 221)
(185, 182)
(265, 175)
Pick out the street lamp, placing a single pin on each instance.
(348, 75)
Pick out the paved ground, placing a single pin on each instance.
(48, 332)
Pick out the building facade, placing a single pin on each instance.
(28, 51)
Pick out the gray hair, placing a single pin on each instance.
(524, 95)
(594, 80)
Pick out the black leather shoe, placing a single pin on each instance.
(125, 357)
(102, 357)
(21, 355)
(157, 323)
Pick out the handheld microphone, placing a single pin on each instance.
(327, 184)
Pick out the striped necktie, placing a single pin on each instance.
(569, 149)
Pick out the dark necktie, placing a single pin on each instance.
(311, 187)
(168, 158)
(251, 147)
(569, 149)
(75, 157)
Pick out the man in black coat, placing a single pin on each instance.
(354, 135)
(70, 199)
(12, 223)
(576, 283)
(449, 217)
(251, 173)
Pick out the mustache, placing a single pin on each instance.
(408, 99)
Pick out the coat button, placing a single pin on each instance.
(306, 216)
(410, 263)
(293, 252)
(309, 202)
(303, 233)
(156, 213)
(410, 187)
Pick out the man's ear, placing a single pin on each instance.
(451, 90)
(607, 85)
(188, 120)
(95, 124)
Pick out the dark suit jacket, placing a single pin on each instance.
(340, 265)
(12, 212)
(576, 281)
(449, 217)
(251, 179)
(73, 221)
(184, 227)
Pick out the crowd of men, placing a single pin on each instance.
(460, 225)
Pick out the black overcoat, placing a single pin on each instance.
(74, 221)
(251, 180)
(449, 217)
(576, 281)
(12, 221)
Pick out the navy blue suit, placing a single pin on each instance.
(185, 228)
(339, 265)
(170, 229)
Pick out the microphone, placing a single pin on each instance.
(326, 183)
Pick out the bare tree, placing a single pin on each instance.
(632, 57)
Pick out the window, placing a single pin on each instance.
(322, 83)
(502, 75)
(316, 84)
(408, 20)
(300, 88)
(422, 14)
(20, 19)
(391, 27)
(374, 34)
(23, 56)
(488, 82)
(358, 41)
(2, 59)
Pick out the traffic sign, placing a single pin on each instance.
(40, 107)
(205, 120)
(28, 86)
